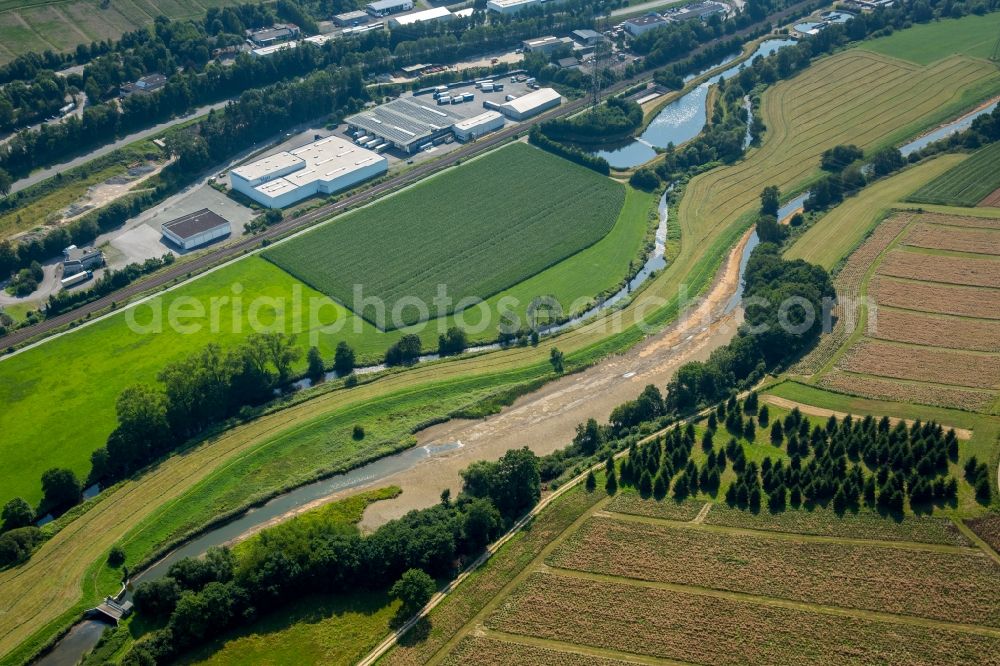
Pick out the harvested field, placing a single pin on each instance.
(992, 199)
(848, 286)
(939, 298)
(632, 503)
(937, 268)
(923, 364)
(935, 330)
(987, 528)
(824, 522)
(675, 625)
(960, 220)
(955, 586)
(924, 394)
(937, 237)
(486, 651)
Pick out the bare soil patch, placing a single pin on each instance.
(937, 237)
(939, 298)
(936, 331)
(924, 394)
(923, 364)
(937, 268)
(987, 528)
(951, 586)
(992, 199)
(718, 630)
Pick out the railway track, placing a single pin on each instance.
(231, 251)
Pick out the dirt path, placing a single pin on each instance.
(785, 403)
(546, 419)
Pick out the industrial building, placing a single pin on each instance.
(347, 19)
(381, 8)
(510, 6)
(698, 10)
(319, 40)
(587, 37)
(531, 104)
(271, 50)
(325, 166)
(643, 24)
(464, 13)
(404, 123)
(436, 14)
(279, 32)
(475, 127)
(195, 229)
(545, 45)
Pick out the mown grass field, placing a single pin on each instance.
(840, 231)
(966, 184)
(38, 25)
(476, 230)
(262, 297)
(923, 44)
(705, 241)
(833, 102)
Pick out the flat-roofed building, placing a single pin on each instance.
(435, 14)
(531, 104)
(196, 229)
(325, 166)
(510, 6)
(271, 50)
(385, 7)
(145, 85)
(643, 24)
(404, 123)
(319, 40)
(587, 37)
(279, 32)
(357, 17)
(475, 127)
(464, 13)
(545, 45)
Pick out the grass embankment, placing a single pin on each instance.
(713, 215)
(533, 208)
(966, 184)
(72, 411)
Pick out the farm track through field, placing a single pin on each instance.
(777, 602)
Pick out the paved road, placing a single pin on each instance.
(182, 270)
(42, 174)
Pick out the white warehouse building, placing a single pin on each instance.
(475, 127)
(510, 6)
(531, 104)
(435, 14)
(195, 229)
(325, 166)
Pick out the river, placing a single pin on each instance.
(683, 119)
(84, 635)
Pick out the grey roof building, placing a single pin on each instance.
(404, 123)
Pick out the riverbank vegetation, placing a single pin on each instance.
(615, 118)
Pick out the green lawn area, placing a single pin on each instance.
(58, 417)
(976, 36)
(966, 184)
(476, 230)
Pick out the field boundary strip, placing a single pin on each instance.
(582, 650)
(778, 602)
(785, 536)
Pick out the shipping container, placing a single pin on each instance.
(457, 99)
(497, 87)
(487, 87)
(374, 142)
(444, 100)
(530, 81)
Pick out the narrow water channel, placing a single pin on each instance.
(683, 119)
(84, 635)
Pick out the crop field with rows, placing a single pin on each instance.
(966, 184)
(476, 230)
(956, 239)
(713, 628)
(815, 570)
